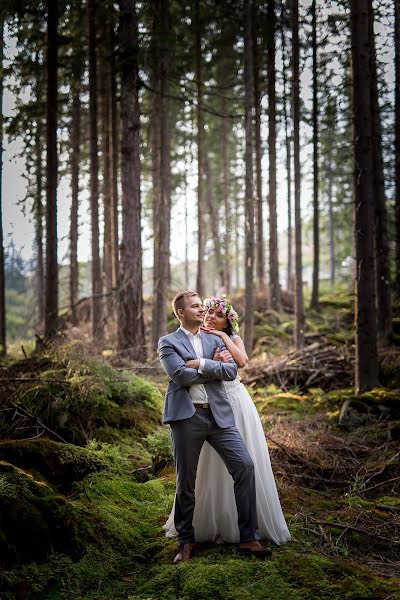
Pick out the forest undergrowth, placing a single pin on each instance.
(86, 482)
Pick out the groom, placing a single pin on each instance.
(198, 410)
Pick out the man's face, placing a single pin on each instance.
(193, 313)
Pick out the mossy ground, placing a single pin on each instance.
(94, 530)
(128, 557)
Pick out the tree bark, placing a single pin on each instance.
(275, 292)
(259, 212)
(51, 310)
(331, 219)
(131, 337)
(214, 221)
(75, 168)
(200, 156)
(315, 277)
(288, 144)
(397, 137)
(97, 287)
(366, 368)
(161, 170)
(382, 252)
(104, 115)
(299, 301)
(113, 152)
(38, 214)
(226, 201)
(237, 245)
(249, 191)
(3, 347)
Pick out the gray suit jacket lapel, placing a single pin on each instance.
(206, 342)
(186, 342)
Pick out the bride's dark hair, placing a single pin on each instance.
(228, 329)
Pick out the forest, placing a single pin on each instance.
(244, 149)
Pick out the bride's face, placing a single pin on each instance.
(216, 319)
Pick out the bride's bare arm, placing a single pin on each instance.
(234, 346)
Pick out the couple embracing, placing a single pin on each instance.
(225, 487)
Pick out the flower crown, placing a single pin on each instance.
(223, 305)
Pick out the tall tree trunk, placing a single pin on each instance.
(113, 151)
(104, 114)
(97, 287)
(249, 197)
(200, 156)
(397, 137)
(38, 214)
(331, 220)
(382, 251)
(288, 144)
(51, 311)
(366, 370)
(259, 212)
(299, 301)
(186, 234)
(275, 292)
(237, 245)
(2, 270)
(315, 276)
(131, 338)
(214, 220)
(75, 163)
(161, 170)
(226, 201)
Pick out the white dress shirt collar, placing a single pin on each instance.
(191, 335)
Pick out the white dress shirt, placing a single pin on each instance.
(197, 392)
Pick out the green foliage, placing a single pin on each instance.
(81, 397)
(159, 445)
(19, 322)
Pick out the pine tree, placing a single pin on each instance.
(397, 137)
(200, 285)
(275, 294)
(382, 257)
(161, 168)
(315, 276)
(97, 287)
(77, 66)
(51, 310)
(2, 273)
(288, 147)
(299, 302)
(131, 337)
(259, 212)
(366, 372)
(249, 197)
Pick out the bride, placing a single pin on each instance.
(215, 515)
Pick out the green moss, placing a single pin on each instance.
(78, 395)
(34, 520)
(61, 464)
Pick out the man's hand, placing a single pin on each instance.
(223, 356)
(194, 363)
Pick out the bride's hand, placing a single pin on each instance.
(223, 356)
(211, 330)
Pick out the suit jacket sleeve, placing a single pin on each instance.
(175, 367)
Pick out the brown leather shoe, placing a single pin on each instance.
(255, 548)
(185, 552)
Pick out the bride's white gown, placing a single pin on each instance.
(215, 514)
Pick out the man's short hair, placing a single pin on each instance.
(179, 301)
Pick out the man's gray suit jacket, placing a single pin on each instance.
(174, 350)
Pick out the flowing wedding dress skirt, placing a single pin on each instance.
(215, 515)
